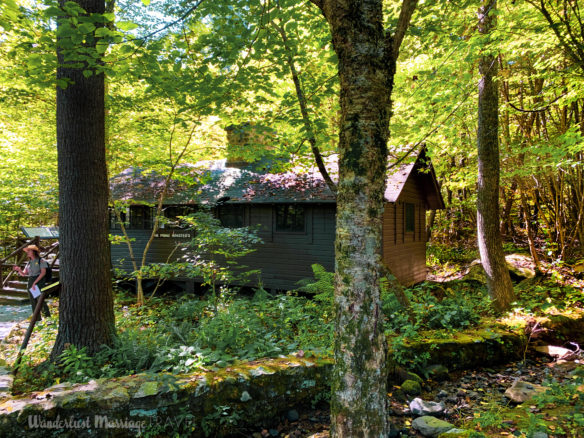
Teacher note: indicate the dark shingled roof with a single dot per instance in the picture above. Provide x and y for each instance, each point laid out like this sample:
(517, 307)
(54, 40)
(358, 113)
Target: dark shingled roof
(210, 181)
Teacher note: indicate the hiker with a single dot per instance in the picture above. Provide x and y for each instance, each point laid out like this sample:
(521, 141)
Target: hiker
(36, 268)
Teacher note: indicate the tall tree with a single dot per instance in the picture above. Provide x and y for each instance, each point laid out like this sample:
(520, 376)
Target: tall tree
(86, 317)
(489, 237)
(367, 55)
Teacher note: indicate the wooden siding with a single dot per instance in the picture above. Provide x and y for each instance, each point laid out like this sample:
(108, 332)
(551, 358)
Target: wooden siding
(158, 253)
(404, 253)
(285, 258)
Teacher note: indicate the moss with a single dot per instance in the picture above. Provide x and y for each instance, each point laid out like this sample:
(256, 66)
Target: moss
(415, 377)
(456, 433)
(411, 387)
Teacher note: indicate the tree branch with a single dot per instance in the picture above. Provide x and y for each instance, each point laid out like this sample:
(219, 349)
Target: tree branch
(536, 110)
(405, 16)
(304, 110)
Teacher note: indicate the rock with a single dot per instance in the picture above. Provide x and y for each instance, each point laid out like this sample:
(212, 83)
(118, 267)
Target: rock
(420, 407)
(431, 426)
(411, 387)
(456, 433)
(520, 267)
(436, 372)
(147, 389)
(553, 351)
(414, 376)
(474, 395)
(292, 415)
(475, 272)
(6, 380)
(521, 391)
(245, 396)
(442, 394)
(539, 435)
(274, 432)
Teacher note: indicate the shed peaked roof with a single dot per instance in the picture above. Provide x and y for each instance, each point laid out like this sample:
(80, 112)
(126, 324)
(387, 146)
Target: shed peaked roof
(210, 181)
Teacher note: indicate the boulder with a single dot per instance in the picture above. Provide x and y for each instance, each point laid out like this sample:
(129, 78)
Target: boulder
(420, 407)
(520, 267)
(456, 433)
(553, 351)
(411, 387)
(436, 372)
(431, 426)
(522, 391)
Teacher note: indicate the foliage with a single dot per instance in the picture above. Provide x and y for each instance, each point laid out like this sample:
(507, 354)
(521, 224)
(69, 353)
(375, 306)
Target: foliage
(323, 286)
(432, 308)
(77, 365)
(221, 418)
(214, 249)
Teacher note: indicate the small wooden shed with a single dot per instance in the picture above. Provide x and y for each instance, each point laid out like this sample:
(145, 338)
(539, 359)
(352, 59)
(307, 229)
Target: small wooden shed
(295, 212)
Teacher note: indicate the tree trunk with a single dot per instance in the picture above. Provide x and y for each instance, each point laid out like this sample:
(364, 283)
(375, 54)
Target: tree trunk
(366, 61)
(489, 237)
(86, 317)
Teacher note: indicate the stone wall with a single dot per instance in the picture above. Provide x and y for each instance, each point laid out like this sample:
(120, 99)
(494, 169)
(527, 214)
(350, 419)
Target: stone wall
(205, 404)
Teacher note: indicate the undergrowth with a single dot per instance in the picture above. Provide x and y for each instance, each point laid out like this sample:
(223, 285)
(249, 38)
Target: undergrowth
(190, 334)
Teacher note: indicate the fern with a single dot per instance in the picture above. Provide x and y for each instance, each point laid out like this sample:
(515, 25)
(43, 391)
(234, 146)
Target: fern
(322, 286)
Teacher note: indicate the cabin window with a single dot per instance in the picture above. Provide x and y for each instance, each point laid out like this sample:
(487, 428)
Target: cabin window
(290, 218)
(172, 212)
(410, 217)
(141, 217)
(231, 216)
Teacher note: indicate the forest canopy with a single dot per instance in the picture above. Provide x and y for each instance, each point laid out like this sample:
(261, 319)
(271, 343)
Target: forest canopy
(174, 70)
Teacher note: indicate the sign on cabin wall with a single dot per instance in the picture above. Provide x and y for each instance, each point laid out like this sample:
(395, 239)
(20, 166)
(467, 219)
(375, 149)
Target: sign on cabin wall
(174, 234)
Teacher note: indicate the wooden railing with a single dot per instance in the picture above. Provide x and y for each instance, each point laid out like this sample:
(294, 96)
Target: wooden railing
(17, 257)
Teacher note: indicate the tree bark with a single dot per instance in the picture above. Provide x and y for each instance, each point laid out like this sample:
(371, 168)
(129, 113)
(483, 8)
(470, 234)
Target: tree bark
(86, 317)
(366, 61)
(489, 237)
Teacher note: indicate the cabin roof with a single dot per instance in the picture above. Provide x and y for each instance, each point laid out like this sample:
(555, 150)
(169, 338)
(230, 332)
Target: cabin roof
(210, 182)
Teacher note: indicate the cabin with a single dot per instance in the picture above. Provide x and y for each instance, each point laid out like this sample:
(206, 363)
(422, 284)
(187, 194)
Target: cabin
(294, 210)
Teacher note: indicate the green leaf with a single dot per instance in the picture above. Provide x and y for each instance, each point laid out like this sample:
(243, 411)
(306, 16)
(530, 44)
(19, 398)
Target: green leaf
(86, 28)
(62, 83)
(146, 2)
(126, 25)
(87, 73)
(102, 32)
(53, 11)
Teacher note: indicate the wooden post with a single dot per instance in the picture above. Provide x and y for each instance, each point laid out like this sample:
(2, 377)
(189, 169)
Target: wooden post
(33, 320)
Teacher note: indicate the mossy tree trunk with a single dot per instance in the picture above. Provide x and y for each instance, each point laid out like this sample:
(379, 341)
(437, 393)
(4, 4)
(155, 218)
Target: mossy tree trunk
(367, 56)
(488, 231)
(86, 315)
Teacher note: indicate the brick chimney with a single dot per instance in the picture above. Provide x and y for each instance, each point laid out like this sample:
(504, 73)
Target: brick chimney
(246, 143)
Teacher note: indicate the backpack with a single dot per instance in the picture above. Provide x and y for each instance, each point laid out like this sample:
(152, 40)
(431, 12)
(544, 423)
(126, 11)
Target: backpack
(48, 272)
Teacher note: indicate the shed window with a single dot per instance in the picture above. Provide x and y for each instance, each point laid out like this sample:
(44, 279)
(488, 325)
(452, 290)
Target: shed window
(290, 218)
(410, 218)
(231, 216)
